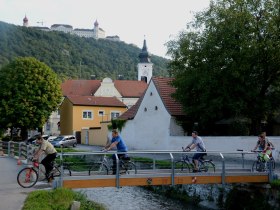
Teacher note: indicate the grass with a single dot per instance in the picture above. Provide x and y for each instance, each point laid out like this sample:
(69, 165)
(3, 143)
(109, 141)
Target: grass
(58, 199)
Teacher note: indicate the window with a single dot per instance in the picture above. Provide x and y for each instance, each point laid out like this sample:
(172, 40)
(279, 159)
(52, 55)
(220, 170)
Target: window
(87, 115)
(115, 115)
(101, 113)
(48, 126)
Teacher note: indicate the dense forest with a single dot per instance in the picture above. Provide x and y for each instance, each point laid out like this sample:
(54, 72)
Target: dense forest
(72, 56)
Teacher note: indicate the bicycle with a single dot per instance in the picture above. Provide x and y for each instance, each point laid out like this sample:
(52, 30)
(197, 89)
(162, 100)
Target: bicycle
(126, 166)
(186, 165)
(28, 176)
(262, 165)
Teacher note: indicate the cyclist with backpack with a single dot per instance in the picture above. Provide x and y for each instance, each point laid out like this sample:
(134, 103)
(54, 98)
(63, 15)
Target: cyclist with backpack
(264, 145)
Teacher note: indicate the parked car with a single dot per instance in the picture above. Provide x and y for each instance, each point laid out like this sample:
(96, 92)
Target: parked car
(32, 140)
(51, 138)
(64, 141)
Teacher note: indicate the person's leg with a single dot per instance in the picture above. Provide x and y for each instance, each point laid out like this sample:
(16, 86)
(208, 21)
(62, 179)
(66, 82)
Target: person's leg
(48, 163)
(195, 161)
(114, 167)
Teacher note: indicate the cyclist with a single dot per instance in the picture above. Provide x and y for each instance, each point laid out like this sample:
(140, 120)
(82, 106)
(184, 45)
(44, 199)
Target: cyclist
(47, 148)
(265, 146)
(197, 143)
(118, 142)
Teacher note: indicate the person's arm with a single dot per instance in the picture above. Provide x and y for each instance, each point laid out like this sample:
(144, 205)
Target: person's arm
(190, 147)
(256, 147)
(114, 144)
(37, 154)
(271, 145)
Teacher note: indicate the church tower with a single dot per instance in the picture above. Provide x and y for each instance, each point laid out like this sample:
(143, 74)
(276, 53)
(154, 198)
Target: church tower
(145, 66)
(25, 21)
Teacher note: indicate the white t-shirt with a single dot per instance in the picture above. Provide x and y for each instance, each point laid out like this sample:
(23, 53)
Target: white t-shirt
(200, 147)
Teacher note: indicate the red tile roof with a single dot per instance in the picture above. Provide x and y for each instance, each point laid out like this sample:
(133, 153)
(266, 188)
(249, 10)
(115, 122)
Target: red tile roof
(165, 90)
(130, 88)
(127, 88)
(131, 112)
(80, 87)
(95, 101)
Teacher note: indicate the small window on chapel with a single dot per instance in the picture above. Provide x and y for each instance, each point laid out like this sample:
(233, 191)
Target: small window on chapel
(145, 109)
(151, 93)
(156, 108)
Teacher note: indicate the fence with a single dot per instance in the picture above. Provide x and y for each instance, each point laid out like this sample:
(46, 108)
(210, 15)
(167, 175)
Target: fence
(18, 150)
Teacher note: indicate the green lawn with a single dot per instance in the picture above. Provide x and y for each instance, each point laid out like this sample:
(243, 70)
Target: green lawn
(58, 199)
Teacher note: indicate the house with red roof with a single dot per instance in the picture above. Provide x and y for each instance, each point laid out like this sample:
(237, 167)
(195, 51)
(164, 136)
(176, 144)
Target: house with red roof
(78, 92)
(87, 112)
(152, 122)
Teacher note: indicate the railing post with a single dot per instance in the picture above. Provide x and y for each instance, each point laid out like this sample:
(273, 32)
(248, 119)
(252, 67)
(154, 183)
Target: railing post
(223, 170)
(154, 163)
(1, 148)
(60, 184)
(242, 160)
(270, 171)
(172, 169)
(20, 149)
(9, 148)
(117, 171)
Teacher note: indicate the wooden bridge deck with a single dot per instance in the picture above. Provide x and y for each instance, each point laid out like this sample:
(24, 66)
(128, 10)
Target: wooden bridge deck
(147, 178)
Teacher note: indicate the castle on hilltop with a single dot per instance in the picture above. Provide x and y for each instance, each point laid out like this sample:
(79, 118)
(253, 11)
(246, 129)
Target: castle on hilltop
(96, 32)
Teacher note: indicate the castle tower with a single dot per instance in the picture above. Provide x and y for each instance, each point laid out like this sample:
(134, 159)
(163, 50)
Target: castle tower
(96, 30)
(25, 21)
(145, 66)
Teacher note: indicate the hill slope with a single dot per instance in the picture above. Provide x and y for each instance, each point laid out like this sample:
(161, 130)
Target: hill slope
(72, 56)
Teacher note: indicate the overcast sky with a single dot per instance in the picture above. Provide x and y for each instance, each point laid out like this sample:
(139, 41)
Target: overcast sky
(156, 20)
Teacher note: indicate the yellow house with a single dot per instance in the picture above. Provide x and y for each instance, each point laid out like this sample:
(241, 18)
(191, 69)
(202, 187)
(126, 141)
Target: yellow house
(85, 112)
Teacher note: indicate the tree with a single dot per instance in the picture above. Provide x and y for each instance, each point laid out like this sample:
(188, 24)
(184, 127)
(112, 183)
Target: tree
(226, 63)
(30, 91)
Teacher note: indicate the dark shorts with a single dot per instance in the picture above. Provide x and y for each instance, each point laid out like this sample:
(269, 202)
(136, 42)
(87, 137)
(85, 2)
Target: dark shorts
(196, 156)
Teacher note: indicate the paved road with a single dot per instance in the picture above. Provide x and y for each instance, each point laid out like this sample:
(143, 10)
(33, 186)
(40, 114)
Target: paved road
(12, 196)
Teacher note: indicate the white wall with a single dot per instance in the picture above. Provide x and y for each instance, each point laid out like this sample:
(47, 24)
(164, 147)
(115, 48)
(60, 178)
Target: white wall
(149, 128)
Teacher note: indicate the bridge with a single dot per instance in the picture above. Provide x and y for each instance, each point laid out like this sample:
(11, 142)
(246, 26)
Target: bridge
(233, 167)
(227, 172)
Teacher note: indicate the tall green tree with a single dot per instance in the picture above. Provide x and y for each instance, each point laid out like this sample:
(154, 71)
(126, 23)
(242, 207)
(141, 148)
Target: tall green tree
(30, 91)
(226, 63)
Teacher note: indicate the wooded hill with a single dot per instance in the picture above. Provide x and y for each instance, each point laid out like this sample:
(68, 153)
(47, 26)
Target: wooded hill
(72, 56)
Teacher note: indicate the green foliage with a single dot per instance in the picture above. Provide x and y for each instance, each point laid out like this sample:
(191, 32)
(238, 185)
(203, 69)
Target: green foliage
(60, 199)
(226, 63)
(72, 56)
(275, 184)
(241, 199)
(117, 124)
(30, 92)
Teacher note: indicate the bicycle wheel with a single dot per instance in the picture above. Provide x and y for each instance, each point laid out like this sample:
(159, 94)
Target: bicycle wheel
(257, 166)
(27, 177)
(182, 166)
(272, 163)
(55, 172)
(98, 169)
(207, 166)
(128, 167)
